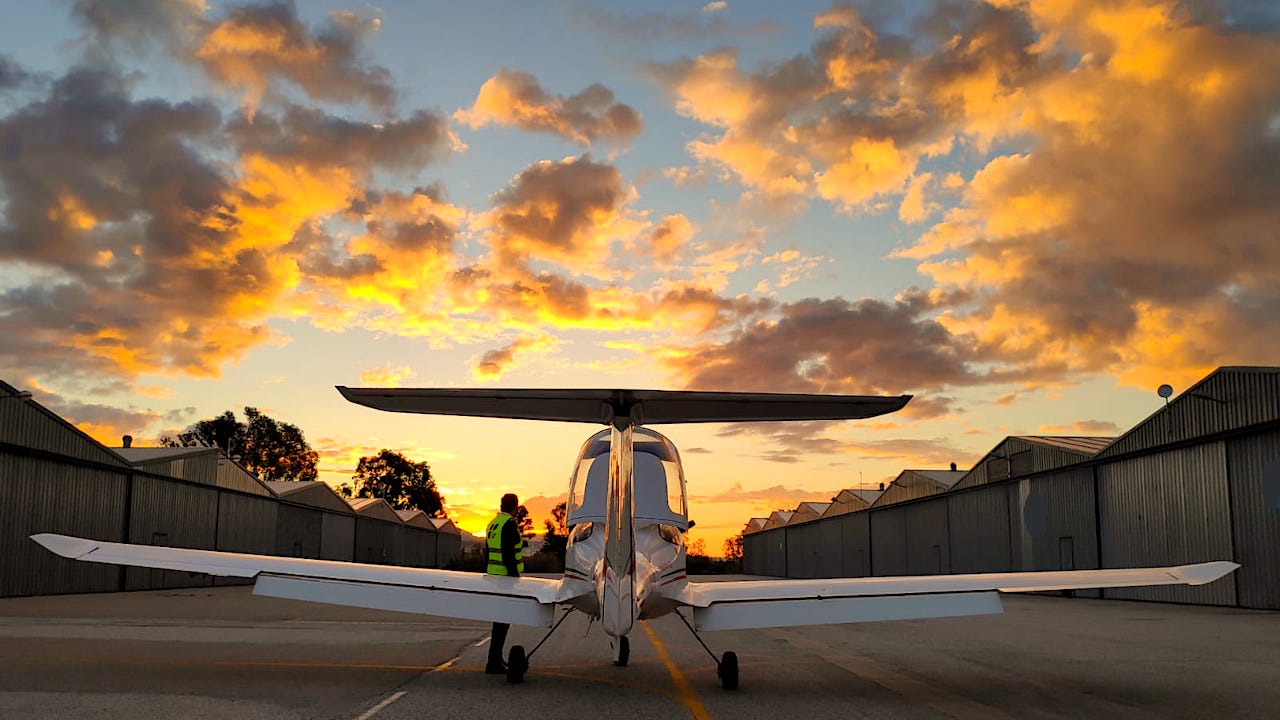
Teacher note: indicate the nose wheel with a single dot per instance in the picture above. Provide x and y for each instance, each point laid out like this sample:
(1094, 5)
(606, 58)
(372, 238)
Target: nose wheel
(622, 652)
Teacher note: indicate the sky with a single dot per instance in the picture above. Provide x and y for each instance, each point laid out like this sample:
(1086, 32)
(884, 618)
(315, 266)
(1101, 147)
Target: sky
(1026, 214)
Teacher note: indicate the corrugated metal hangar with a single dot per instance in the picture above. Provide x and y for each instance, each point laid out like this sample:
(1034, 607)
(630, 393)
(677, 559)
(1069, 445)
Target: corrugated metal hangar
(54, 478)
(1198, 480)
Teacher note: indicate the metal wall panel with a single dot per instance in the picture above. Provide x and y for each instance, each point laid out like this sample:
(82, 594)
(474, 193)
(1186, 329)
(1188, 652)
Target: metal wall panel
(1054, 520)
(378, 542)
(813, 550)
(831, 548)
(1048, 510)
(1255, 510)
(298, 531)
(448, 550)
(978, 522)
(165, 512)
(889, 541)
(855, 544)
(247, 524)
(928, 551)
(1168, 508)
(753, 553)
(793, 565)
(774, 544)
(419, 547)
(337, 537)
(199, 467)
(47, 496)
(1228, 399)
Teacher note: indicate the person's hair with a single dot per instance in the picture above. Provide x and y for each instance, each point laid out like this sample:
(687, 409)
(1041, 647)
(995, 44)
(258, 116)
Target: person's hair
(510, 502)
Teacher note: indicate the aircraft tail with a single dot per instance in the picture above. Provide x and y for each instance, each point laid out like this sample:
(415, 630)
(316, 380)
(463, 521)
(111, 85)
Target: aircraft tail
(618, 608)
(624, 407)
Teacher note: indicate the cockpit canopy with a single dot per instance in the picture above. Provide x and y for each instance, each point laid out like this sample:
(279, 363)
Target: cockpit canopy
(658, 488)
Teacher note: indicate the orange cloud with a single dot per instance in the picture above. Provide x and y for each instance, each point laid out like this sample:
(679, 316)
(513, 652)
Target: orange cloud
(516, 99)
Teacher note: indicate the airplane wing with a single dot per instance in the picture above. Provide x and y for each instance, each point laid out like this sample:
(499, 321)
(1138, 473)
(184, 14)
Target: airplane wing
(471, 596)
(782, 603)
(647, 407)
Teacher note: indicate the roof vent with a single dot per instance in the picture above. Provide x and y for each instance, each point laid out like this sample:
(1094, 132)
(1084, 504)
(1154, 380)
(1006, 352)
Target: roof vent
(127, 441)
(953, 467)
(881, 487)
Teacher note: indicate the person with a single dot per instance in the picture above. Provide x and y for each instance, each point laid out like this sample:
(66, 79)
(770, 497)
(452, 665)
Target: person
(505, 558)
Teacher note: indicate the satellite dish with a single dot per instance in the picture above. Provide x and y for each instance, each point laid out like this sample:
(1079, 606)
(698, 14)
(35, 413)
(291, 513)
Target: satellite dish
(1165, 391)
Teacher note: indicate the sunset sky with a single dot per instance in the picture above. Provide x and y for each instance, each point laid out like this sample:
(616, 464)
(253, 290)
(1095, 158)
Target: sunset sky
(1029, 214)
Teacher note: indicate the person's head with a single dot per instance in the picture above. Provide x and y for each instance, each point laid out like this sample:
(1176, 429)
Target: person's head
(509, 503)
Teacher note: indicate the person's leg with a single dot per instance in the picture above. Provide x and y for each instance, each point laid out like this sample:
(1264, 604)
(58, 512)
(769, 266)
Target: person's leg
(497, 643)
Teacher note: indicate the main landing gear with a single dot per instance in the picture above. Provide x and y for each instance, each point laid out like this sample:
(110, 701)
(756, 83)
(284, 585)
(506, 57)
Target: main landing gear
(518, 661)
(726, 665)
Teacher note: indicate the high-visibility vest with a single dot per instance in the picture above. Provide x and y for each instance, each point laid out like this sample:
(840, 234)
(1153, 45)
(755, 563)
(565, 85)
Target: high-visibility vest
(494, 535)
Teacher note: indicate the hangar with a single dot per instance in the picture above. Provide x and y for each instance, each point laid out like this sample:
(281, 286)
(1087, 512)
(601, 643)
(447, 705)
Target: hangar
(1198, 480)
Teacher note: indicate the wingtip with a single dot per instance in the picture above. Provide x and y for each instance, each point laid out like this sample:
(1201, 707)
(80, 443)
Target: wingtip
(1203, 573)
(66, 546)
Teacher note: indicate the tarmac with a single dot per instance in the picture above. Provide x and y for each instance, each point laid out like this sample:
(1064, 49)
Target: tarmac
(222, 653)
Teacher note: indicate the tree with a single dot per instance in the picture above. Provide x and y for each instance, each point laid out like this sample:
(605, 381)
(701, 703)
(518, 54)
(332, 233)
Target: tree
(556, 540)
(269, 449)
(733, 547)
(403, 483)
(524, 523)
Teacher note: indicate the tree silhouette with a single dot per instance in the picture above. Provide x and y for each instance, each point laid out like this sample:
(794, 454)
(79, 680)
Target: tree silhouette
(524, 523)
(268, 448)
(556, 540)
(403, 483)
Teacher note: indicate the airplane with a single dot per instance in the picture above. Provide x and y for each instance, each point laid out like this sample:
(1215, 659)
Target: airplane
(626, 515)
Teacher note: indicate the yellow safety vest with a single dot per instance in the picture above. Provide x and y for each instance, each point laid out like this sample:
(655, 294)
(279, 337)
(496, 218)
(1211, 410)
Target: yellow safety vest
(494, 535)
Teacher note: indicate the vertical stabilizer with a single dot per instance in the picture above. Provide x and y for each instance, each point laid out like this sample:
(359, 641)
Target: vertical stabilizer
(618, 608)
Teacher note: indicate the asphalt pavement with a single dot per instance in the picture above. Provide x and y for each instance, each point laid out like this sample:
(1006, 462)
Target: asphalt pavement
(222, 653)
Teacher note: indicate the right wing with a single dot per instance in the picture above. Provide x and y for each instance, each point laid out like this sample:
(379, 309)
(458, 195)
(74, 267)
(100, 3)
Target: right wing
(471, 596)
(782, 603)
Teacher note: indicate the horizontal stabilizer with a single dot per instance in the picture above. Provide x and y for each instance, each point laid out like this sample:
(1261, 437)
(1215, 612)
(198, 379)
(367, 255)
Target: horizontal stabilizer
(647, 407)
(472, 596)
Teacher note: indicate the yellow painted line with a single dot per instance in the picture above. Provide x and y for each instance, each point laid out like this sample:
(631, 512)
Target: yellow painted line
(684, 692)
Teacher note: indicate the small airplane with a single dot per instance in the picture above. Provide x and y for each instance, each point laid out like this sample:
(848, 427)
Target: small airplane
(626, 517)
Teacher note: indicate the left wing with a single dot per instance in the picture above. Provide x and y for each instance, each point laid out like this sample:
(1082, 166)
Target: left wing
(782, 603)
(471, 596)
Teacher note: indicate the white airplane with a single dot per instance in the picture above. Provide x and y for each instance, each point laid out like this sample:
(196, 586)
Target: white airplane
(627, 514)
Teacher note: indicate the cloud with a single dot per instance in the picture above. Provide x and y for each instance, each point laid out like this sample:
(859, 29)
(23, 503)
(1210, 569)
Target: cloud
(516, 99)
(254, 48)
(833, 346)
(387, 376)
(569, 212)
(107, 423)
(158, 239)
(1137, 235)
(666, 240)
(1110, 126)
(774, 497)
(495, 363)
(1082, 427)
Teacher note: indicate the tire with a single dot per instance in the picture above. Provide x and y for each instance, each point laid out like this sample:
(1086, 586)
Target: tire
(517, 664)
(624, 651)
(728, 671)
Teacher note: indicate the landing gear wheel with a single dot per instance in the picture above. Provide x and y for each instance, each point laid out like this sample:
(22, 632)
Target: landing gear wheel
(517, 664)
(624, 652)
(728, 671)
